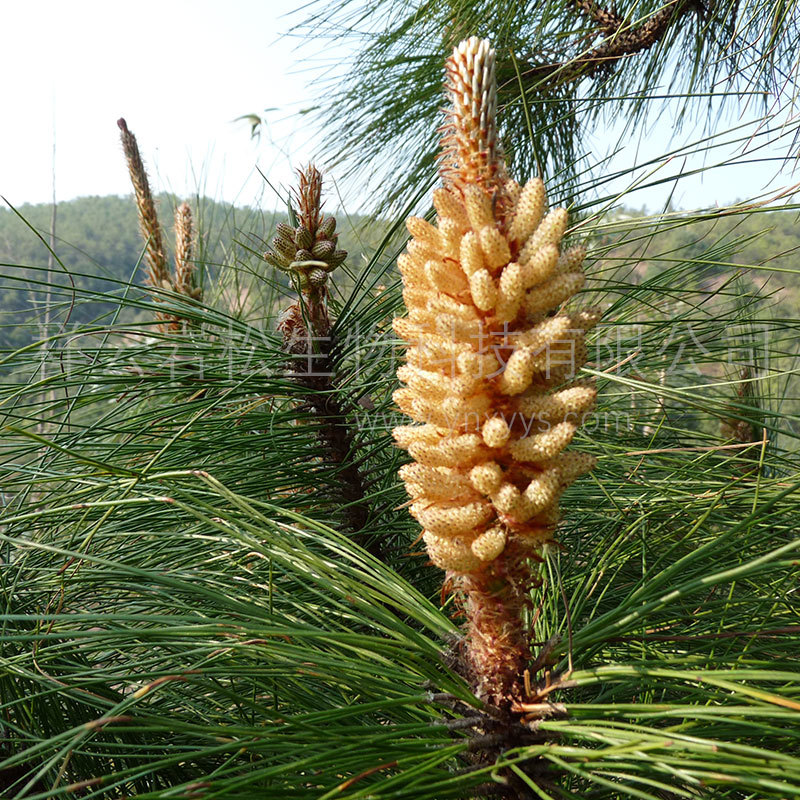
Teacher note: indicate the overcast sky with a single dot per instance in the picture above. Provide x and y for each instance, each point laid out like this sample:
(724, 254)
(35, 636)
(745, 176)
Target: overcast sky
(180, 72)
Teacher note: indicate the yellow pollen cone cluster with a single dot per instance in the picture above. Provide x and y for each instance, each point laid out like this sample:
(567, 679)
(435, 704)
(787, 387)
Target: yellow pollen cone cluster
(489, 376)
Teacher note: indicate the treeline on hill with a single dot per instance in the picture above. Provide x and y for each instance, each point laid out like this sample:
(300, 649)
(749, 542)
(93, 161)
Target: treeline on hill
(763, 243)
(99, 249)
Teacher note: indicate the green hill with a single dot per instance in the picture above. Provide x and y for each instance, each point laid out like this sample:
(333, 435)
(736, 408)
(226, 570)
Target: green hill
(98, 247)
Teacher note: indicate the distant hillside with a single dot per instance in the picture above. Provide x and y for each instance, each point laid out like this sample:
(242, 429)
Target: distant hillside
(99, 244)
(765, 243)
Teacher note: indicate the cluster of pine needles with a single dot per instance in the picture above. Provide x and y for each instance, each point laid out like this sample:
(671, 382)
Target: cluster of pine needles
(209, 578)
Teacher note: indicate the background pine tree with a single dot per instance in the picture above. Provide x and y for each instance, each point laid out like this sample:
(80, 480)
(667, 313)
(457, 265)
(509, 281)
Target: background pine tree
(571, 75)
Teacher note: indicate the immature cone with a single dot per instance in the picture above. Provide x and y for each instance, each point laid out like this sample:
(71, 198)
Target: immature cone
(488, 375)
(310, 251)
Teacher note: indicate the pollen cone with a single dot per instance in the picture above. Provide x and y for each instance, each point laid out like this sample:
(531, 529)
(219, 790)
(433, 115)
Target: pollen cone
(489, 376)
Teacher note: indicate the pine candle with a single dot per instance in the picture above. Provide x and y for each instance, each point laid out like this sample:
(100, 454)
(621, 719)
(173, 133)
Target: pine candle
(485, 376)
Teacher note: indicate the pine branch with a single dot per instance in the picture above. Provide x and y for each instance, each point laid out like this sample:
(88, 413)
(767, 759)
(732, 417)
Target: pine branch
(309, 252)
(620, 42)
(315, 371)
(204, 626)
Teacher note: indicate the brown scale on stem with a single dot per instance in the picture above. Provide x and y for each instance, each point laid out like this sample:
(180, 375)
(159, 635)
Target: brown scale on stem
(489, 377)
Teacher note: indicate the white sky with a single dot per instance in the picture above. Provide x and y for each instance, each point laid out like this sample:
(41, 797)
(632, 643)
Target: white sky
(180, 72)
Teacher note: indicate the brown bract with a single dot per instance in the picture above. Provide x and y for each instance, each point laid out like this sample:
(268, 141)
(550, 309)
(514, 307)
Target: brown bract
(489, 375)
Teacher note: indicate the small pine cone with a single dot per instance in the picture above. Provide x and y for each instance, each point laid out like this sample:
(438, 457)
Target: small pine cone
(276, 260)
(303, 255)
(327, 228)
(285, 231)
(303, 238)
(323, 250)
(337, 258)
(451, 553)
(317, 276)
(487, 546)
(285, 247)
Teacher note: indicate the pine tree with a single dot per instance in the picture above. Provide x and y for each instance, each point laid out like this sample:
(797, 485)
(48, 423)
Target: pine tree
(212, 586)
